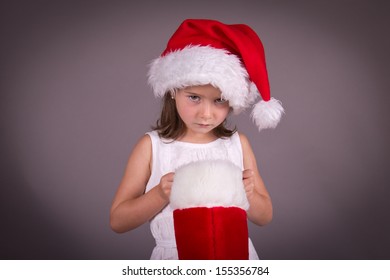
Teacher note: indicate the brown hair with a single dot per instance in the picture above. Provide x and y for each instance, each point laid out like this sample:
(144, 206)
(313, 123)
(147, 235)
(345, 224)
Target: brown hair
(171, 126)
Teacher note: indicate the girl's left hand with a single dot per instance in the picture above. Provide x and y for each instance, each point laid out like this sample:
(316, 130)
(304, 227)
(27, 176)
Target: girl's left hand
(249, 182)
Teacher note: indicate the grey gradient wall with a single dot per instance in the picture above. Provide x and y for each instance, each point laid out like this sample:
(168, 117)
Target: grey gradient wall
(75, 99)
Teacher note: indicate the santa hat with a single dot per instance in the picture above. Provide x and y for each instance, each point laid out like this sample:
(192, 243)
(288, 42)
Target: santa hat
(229, 57)
(209, 211)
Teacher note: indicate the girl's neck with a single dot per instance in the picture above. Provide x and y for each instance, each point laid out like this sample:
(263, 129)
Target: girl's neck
(197, 138)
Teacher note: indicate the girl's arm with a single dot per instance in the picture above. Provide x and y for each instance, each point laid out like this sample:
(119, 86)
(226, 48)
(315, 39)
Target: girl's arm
(260, 209)
(132, 207)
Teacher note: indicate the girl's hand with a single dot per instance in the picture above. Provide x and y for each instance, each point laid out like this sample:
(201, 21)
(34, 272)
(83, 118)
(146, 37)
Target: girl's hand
(165, 185)
(249, 182)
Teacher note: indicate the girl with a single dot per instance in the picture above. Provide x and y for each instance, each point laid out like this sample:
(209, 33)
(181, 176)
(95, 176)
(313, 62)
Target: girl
(208, 70)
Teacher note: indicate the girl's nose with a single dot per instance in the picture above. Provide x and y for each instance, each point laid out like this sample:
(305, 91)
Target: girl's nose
(206, 110)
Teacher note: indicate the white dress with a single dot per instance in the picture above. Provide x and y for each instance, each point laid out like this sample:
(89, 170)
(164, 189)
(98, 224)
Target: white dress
(167, 157)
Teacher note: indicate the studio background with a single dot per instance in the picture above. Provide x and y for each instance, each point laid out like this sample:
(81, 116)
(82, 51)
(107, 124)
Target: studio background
(75, 99)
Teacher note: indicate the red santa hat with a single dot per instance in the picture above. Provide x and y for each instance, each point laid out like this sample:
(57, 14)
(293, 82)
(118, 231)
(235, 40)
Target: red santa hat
(209, 203)
(229, 57)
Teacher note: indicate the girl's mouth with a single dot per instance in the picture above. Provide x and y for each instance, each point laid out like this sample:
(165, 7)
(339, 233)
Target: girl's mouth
(204, 125)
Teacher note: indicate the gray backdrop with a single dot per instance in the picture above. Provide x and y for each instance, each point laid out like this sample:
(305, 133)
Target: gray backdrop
(75, 99)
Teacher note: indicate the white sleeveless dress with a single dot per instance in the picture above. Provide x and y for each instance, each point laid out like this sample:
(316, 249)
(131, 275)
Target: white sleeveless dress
(167, 157)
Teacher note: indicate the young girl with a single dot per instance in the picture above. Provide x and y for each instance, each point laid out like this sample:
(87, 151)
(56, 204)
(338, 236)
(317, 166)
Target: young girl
(208, 70)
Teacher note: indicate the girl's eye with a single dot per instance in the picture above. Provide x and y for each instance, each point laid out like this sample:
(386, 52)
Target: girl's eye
(220, 101)
(193, 98)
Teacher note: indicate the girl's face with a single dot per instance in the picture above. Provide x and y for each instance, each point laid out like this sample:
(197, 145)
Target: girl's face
(201, 109)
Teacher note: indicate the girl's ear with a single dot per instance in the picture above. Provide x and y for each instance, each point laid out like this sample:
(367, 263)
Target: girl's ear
(173, 93)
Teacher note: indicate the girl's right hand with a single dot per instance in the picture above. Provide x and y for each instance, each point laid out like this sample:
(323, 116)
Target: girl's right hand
(165, 185)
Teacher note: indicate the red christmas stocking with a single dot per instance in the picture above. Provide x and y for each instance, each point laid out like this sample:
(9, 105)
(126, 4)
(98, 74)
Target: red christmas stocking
(210, 204)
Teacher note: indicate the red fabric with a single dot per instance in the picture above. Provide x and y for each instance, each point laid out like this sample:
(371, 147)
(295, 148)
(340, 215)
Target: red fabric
(217, 233)
(238, 39)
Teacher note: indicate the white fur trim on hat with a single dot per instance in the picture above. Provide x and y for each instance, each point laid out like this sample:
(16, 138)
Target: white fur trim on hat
(208, 184)
(267, 114)
(201, 65)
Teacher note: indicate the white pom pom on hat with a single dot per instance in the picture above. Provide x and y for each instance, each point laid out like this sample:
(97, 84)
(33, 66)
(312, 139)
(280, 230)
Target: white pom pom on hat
(229, 57)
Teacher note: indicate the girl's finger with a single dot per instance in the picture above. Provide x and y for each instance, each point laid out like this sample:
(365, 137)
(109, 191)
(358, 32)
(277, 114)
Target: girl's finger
(247, 173)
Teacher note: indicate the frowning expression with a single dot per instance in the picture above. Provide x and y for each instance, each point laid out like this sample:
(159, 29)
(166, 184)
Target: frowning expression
(201, 108)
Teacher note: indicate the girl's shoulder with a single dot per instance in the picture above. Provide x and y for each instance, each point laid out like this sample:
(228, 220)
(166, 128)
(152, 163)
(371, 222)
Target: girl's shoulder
(144, 144)
(152, 134)
(242, 137)
(156, 139)
(245, 144)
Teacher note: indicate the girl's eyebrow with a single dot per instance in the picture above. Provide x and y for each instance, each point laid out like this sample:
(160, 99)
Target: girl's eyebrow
(190, 92)
(199, 94)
